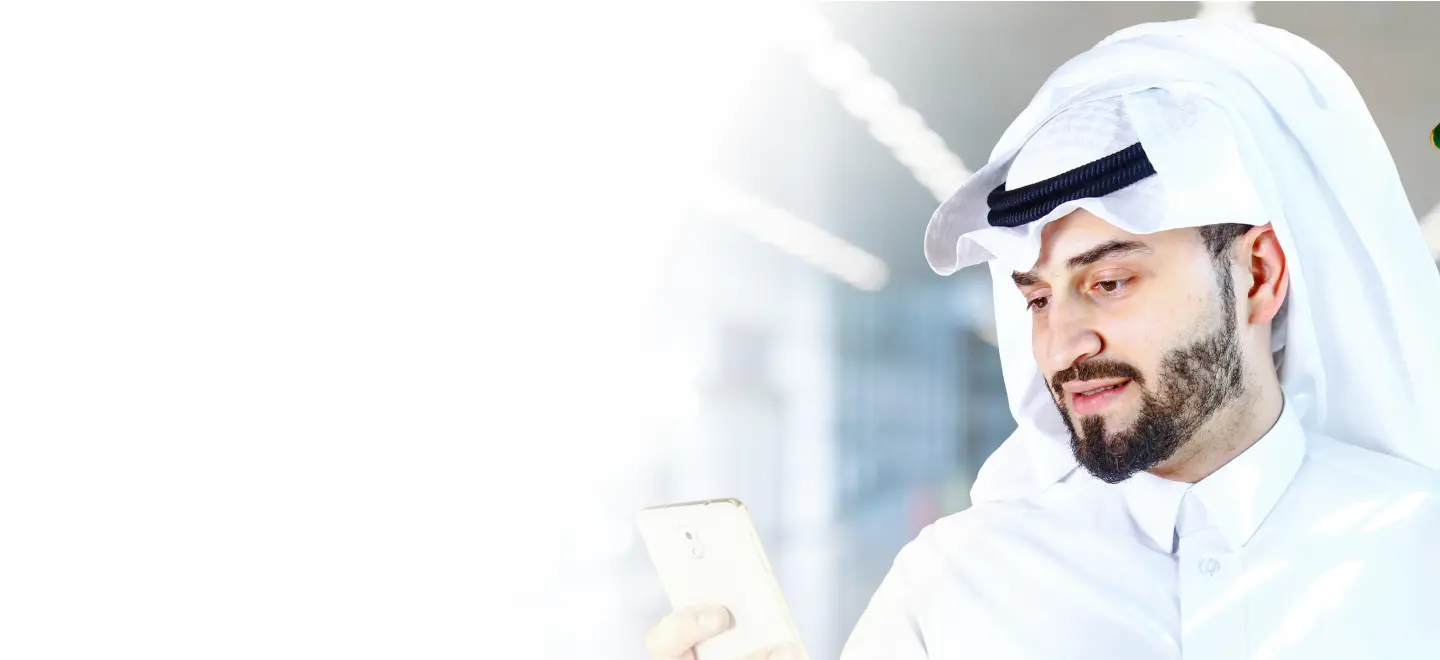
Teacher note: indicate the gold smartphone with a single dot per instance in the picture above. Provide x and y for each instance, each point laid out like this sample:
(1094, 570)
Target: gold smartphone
(707, 553)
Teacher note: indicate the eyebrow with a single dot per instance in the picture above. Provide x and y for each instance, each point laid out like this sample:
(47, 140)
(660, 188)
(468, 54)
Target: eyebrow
(1106, 250)
(1024, 279)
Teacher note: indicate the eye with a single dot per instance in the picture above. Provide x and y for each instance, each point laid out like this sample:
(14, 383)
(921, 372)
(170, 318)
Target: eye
(1036, 304)
(1111, 286)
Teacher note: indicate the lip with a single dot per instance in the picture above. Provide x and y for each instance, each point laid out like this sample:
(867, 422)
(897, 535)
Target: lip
(1082, 404)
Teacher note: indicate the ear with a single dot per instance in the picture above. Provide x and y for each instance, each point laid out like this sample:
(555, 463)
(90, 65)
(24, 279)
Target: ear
(1268, 274)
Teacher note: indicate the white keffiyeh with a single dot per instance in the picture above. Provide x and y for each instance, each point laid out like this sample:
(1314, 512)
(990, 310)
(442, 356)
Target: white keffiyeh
(1243, 124)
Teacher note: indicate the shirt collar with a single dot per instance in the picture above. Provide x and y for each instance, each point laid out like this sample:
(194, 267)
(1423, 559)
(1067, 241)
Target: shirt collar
(1236, 498)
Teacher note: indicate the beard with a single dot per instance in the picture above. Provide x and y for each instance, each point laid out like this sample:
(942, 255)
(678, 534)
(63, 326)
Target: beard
(1194, 382)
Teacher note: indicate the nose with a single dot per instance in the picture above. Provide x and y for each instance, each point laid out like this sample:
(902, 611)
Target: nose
(1069, 336)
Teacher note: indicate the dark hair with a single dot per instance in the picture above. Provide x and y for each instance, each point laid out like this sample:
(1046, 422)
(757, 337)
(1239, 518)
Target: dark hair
(1218, 239)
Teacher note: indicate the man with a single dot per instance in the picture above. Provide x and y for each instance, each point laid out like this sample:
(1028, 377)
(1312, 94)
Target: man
(1219, 331)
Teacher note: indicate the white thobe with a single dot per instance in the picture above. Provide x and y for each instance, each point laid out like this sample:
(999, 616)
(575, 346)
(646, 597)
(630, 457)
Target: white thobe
(1300, 547)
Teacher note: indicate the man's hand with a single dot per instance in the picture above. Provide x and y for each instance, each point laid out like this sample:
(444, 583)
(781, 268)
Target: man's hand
(675, 637)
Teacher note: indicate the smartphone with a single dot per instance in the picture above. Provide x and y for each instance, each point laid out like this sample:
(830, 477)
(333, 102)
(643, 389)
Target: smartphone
(707, 553)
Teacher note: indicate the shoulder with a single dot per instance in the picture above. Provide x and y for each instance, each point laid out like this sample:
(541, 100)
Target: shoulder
(1372, 470)
(942, 559)
(985, 529)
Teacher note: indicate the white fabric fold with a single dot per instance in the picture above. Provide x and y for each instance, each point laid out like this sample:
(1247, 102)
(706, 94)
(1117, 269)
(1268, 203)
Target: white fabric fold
(1247, 124)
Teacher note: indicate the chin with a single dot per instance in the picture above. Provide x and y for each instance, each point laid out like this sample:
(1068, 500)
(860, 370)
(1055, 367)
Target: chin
(1108, 421)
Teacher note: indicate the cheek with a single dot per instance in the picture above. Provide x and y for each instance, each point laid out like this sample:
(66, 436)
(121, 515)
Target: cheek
(1134, 345)
(1141, 333)
(1038, 343)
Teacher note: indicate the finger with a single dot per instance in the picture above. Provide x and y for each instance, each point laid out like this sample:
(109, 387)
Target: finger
(786, 651)
(682, 629)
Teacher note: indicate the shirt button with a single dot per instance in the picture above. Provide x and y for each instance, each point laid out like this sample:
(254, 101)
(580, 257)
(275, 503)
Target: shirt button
(1210, 566)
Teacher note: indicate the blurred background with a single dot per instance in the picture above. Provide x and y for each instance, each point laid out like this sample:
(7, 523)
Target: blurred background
(365, 329)
(791, 347)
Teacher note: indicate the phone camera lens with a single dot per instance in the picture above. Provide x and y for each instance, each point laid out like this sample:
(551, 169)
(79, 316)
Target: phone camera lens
(697, 549)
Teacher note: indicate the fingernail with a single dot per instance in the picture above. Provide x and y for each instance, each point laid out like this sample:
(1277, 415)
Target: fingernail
(709, 620)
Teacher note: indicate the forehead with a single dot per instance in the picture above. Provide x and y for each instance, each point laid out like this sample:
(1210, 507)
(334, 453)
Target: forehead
(1082, 230)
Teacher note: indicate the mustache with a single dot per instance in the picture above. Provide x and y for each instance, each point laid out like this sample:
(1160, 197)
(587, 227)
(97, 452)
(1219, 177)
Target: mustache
(1091, 370)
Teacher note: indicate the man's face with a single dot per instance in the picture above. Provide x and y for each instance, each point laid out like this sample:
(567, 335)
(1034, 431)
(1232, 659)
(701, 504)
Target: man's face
(1136, 337)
